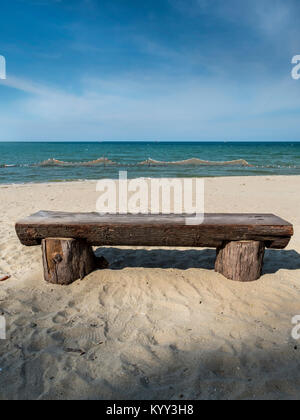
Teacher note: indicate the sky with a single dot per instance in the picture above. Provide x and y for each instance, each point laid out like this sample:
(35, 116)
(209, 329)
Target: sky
(210, 70)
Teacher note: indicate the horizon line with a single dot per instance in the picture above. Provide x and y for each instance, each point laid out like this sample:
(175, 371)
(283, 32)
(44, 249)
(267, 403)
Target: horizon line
(150, 141)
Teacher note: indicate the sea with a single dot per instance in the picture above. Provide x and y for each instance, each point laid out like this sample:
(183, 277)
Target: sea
(36, 162)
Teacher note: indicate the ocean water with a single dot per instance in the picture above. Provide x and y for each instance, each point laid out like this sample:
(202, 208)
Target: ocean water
(43, 162)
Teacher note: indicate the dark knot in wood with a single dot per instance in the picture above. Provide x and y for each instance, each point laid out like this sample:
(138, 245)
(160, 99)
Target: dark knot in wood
(57, 259)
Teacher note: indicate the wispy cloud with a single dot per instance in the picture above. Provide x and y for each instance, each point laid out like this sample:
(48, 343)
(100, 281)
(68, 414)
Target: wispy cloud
(207, 69)
(136, 108)
(275, 19)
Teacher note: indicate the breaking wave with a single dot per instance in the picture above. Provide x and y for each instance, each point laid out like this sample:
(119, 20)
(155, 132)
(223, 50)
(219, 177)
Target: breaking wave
(149, 162)
(55, 162)
(103, 161)
(196, 161)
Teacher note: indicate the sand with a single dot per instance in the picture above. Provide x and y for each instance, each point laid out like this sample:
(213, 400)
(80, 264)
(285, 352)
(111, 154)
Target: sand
(160, 324)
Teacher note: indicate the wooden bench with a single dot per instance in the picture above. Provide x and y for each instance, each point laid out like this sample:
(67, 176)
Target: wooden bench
(67, 239)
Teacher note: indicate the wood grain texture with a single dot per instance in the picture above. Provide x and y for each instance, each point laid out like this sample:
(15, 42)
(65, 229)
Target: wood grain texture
(155, 230)
(67, 260)
(240, 261)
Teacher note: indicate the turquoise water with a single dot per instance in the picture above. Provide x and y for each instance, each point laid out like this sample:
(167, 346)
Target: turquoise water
(22, 162)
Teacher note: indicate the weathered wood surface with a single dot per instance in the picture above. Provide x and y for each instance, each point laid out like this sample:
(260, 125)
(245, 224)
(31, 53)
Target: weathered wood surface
(67, 260)
(155, 230)
(240, 261)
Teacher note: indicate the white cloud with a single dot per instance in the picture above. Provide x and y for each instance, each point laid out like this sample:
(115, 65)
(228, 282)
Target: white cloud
(139, 108)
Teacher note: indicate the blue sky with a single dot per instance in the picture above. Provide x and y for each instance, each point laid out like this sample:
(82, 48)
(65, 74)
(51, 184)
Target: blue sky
(149, 70)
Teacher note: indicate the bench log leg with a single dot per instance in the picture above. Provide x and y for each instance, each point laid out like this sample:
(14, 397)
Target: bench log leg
(240, 261)
(67, 260)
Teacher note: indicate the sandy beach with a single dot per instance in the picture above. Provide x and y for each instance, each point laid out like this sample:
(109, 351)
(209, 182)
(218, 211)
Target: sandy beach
(160, 324)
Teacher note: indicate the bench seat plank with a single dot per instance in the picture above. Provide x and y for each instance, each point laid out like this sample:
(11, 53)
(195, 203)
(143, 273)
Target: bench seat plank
(155, 230)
